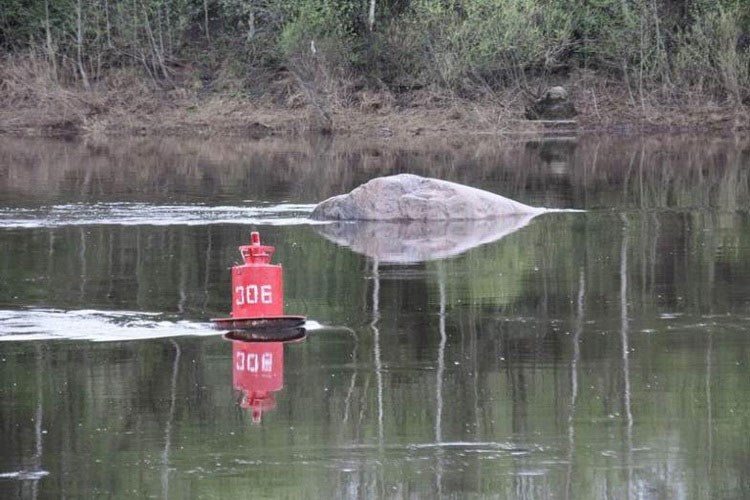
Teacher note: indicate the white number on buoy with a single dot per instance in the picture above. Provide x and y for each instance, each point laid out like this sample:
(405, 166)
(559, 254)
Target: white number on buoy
(253, 294)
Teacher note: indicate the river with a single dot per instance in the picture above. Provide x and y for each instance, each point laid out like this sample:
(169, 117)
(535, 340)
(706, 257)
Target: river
(598, 353)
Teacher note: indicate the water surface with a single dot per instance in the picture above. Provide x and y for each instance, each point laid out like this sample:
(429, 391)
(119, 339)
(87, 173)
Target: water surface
(602, 354)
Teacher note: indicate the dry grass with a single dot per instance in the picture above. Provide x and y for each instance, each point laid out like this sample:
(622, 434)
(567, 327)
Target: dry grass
(36, 101)
(33, 101)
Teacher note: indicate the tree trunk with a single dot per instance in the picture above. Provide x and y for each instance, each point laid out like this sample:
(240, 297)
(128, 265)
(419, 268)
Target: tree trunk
(48, 35)
(79, 46)
(205, 20)
(371, 15)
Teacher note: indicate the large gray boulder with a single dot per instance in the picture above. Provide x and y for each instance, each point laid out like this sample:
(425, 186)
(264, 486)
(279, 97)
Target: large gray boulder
(411, 197)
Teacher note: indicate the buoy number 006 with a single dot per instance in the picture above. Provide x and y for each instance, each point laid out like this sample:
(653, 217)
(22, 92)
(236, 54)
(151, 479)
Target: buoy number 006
(253, 294)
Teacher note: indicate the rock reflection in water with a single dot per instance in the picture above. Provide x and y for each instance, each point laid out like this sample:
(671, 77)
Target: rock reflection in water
(258, 372)
(417, 241)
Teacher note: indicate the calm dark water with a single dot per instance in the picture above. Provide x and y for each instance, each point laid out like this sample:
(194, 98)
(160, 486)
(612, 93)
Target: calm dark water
(602, 354)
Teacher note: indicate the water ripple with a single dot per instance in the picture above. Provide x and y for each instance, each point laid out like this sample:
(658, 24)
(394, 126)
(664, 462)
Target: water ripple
(104, 326)
(131, 214)
(97, 326)
(24, 475)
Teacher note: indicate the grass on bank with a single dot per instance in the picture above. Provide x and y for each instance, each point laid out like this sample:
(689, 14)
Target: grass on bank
(107, 65)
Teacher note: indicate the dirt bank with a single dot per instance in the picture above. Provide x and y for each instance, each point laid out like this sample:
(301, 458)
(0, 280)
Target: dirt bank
(378, 117)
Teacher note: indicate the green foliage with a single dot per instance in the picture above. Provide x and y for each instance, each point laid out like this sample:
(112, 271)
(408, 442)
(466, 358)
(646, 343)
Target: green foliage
(487, 38)
(708, 58)
(330, 30)
(669, 48)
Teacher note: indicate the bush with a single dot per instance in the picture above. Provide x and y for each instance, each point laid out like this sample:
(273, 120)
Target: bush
(661, 50)
(497, 41)
(708, 59)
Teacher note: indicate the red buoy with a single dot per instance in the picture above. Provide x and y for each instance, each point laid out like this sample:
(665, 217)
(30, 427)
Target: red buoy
(258, 291)
(257, 285)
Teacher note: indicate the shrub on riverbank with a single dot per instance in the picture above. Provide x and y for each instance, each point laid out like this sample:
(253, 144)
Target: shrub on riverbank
(332, 52)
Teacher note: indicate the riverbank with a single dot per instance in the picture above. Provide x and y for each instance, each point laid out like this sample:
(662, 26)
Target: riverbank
(403, 69)
(136, 110)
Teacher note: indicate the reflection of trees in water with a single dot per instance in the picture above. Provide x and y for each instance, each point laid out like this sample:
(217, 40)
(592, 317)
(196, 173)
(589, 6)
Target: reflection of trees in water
(510, 366)
(142, 268)
(627, 409)
(512, 316)
(592, 172)
(80, 403)
(528, 345)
